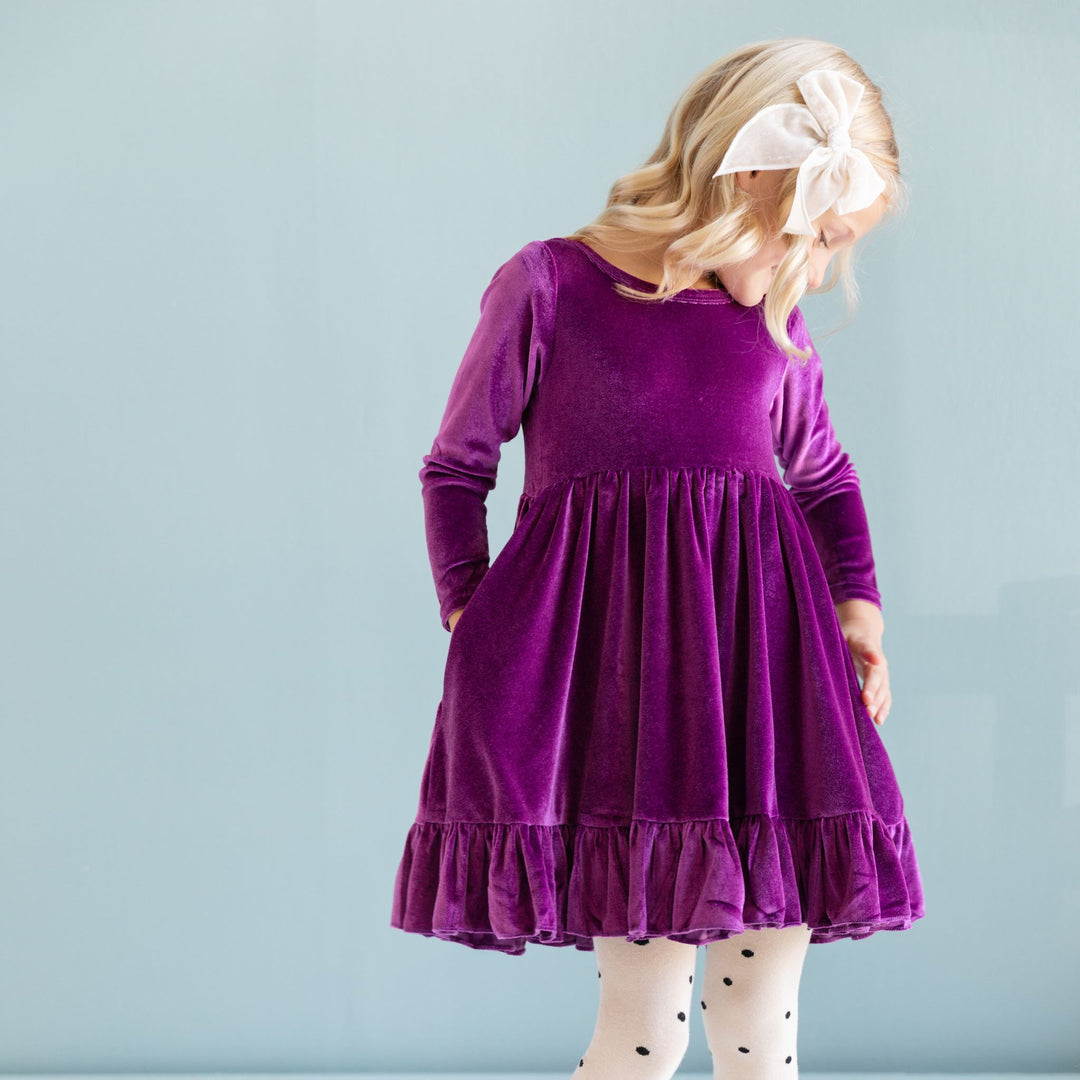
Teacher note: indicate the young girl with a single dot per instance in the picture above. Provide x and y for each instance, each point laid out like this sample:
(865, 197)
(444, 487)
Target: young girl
(652, 734)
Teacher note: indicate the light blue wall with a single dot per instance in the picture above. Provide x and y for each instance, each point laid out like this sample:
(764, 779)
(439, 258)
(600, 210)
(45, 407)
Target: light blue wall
(243, 245)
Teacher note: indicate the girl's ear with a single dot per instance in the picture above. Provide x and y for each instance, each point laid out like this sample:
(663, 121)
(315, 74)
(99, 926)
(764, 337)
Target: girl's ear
(743, 179)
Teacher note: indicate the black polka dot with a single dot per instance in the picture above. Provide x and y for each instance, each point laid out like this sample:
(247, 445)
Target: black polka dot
(743, 1050)
(787, 1014)
(642, 941)
(682, 1016)
(748, 952)
(643, 1050)
(727, 981)
(787, 1061)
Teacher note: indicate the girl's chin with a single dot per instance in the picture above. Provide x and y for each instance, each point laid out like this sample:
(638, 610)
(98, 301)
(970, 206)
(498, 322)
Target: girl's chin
(748, 293)
(749, 299)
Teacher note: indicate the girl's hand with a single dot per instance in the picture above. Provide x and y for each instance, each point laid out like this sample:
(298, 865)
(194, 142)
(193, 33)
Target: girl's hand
(453, 617)
(863, 626)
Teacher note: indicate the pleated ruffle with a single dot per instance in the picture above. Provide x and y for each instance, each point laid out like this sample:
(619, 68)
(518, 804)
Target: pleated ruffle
(501, 886)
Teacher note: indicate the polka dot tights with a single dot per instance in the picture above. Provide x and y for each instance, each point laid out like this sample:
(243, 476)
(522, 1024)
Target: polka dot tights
(749, 1006)
(642, 1029)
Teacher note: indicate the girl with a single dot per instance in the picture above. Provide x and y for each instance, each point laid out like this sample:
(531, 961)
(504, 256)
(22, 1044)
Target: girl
(652, 734)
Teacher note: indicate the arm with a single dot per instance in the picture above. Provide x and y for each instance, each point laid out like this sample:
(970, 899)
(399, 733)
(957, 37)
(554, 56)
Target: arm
(825, 485)
(504, 360)
(821, 477)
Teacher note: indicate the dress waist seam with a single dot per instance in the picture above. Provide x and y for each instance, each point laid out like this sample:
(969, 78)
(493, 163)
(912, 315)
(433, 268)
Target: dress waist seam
(714, 467)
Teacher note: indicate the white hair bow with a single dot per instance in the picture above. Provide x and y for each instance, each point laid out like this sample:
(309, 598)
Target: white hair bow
(815, 137)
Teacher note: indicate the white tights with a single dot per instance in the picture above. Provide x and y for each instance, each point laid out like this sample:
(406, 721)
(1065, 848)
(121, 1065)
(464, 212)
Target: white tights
(749, 1003)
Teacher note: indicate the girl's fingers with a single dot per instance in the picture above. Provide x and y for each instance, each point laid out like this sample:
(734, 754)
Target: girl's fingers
(872, 681)
(875, 690)
(873, 671)
(879, 703)
(883, 710)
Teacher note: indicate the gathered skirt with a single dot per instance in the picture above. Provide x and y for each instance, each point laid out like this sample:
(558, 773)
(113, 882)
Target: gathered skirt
(651, 725)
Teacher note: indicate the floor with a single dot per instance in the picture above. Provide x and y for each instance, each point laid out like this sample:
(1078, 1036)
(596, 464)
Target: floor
(520, 1076)
(708, 1076)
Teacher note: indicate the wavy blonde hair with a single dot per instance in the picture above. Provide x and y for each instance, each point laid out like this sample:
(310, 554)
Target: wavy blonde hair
(708, 223)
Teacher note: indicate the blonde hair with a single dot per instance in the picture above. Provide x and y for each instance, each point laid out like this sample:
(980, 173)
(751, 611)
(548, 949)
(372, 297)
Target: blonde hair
(708, 223)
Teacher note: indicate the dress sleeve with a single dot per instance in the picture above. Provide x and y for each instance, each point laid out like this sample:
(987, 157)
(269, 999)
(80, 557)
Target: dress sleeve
(503, 362)
(820, 475)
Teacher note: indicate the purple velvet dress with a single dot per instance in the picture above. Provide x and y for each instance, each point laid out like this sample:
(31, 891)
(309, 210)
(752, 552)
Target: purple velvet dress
(651, 725)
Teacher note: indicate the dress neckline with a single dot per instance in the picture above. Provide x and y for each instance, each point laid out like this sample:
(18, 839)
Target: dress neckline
(719, 295)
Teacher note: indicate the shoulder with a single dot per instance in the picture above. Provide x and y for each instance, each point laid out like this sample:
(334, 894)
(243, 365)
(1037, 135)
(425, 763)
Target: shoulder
(796, 328)
(800, 337)
(523, 291)
(531, 269)
(538, 258)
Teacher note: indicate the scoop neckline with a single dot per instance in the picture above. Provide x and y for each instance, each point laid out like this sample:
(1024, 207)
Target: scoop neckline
(712, 296)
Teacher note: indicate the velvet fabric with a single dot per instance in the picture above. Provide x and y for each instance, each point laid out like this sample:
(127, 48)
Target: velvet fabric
(651, 724)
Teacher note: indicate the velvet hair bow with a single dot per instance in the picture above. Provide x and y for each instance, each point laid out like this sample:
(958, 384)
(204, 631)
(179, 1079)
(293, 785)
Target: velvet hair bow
(816, 138)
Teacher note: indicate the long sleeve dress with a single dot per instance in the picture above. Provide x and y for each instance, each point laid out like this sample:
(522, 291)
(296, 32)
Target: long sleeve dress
(651, 724)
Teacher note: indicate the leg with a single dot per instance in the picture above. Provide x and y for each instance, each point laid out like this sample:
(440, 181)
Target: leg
(749, 1001)
(642, 1028)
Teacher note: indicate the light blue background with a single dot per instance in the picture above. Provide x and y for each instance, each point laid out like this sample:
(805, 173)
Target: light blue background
(243, 246)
